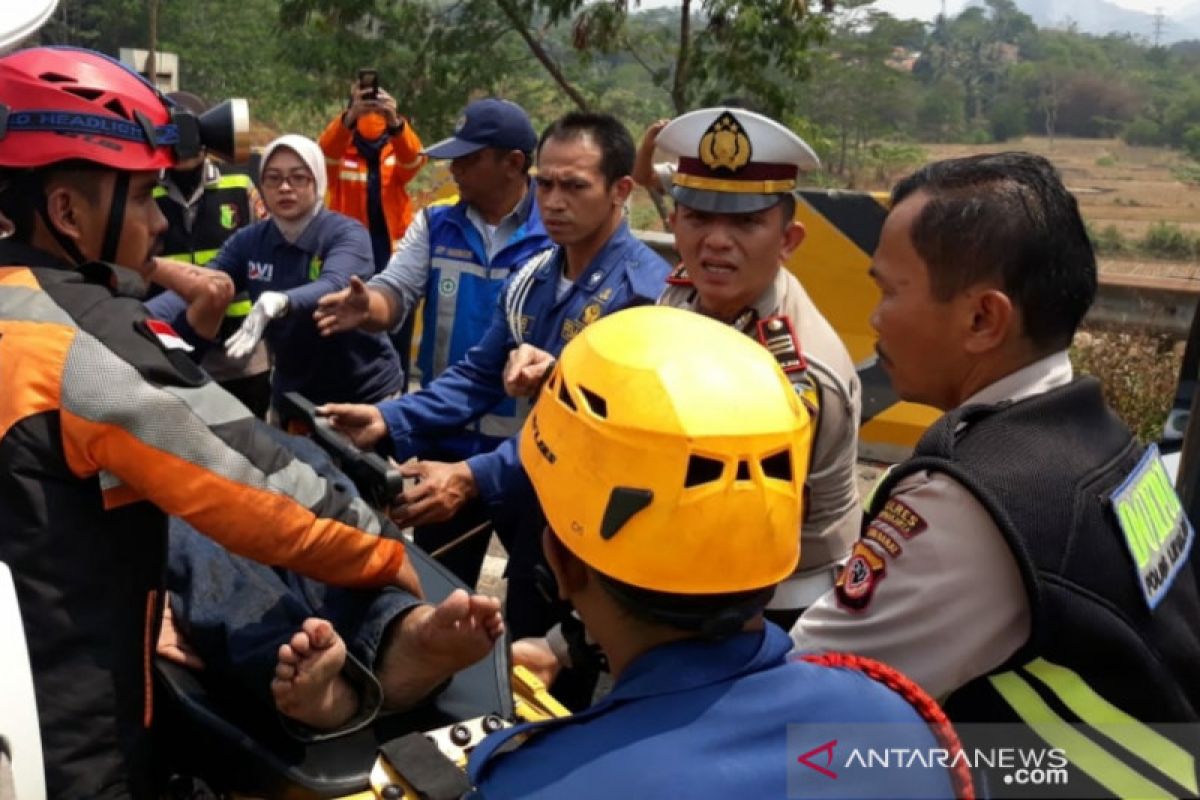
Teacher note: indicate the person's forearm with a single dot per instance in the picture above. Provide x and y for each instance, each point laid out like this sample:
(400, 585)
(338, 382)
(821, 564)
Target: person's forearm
(206, 301)
(381, 308)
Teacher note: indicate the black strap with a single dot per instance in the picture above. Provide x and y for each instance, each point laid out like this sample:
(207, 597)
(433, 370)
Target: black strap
(426, 769)
(116, 218)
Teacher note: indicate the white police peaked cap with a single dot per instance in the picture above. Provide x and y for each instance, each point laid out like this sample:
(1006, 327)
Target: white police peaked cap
(732, 161)
(19, 20)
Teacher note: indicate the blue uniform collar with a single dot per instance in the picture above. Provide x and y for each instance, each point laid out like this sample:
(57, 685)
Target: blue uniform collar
(602, 263)
(676, 667)
(692, 663)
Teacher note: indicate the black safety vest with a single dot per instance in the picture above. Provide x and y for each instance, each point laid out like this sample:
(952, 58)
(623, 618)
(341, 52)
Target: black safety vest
(224, 207)
(1052, 472)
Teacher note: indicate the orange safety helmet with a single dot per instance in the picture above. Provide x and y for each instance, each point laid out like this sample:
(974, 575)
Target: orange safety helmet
(669, 452)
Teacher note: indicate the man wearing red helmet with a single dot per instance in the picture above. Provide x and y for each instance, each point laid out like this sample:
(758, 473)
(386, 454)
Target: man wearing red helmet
(106, 425)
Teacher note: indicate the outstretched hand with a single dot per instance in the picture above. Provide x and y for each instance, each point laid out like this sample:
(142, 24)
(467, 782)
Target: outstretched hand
(344, 310)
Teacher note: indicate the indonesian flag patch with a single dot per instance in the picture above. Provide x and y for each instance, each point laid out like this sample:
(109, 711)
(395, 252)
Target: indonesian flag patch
(167, 336)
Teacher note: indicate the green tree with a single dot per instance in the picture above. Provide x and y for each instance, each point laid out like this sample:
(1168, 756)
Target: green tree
(720, 47)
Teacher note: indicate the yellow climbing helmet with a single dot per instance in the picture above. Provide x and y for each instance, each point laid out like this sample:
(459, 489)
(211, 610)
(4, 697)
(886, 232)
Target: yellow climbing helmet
(668, 452)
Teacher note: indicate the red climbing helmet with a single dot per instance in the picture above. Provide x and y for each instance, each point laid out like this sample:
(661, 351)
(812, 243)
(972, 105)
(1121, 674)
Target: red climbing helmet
(63, 103)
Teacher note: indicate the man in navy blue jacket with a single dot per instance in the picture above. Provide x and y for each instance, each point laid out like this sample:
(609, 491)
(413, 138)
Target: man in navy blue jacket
(583, 180)
(453, 261)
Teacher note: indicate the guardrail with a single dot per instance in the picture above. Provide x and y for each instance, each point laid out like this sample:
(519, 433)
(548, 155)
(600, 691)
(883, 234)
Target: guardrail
(1156, 305)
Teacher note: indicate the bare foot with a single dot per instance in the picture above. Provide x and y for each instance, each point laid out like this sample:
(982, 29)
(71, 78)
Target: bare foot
(308, 684)
(431, 643)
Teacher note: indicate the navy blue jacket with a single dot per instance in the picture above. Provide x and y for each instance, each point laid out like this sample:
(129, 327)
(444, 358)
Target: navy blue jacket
(624, 273)
(353, 367)
(717, 719)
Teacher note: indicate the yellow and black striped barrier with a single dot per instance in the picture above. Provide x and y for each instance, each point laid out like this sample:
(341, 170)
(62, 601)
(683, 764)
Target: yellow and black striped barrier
(843, 230)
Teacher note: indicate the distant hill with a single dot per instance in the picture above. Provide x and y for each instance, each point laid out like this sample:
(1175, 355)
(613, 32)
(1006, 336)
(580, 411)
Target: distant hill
(1100, 17)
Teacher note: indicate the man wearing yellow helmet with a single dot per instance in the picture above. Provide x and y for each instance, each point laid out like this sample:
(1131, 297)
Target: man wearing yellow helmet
(733, 225)
(669, 454)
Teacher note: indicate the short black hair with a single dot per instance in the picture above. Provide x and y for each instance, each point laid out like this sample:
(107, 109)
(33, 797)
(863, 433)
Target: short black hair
(1008, 218)
(712, 616)
(609, 133)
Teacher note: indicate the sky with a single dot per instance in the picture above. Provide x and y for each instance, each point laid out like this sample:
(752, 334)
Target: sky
(928, 9)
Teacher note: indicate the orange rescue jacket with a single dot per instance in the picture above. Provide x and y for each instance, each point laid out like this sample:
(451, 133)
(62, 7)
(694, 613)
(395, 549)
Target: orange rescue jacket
(400, 161)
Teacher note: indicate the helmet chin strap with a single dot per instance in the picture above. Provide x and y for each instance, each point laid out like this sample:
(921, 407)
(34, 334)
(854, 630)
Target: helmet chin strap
(116, 218)
(112, 231)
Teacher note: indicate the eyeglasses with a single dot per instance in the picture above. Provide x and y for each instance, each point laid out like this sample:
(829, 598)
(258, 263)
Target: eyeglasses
(297, 180)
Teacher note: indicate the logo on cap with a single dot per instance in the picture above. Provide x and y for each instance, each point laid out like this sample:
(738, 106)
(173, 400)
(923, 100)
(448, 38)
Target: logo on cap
(725, 144)
(460, 123)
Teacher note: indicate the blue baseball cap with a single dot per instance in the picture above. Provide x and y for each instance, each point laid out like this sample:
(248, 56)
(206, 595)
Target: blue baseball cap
(488, 123)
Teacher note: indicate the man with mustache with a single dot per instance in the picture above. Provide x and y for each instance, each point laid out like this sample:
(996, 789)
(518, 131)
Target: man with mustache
(1030, 563)
(453, 262)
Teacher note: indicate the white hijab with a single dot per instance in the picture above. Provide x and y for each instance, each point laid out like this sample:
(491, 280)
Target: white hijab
(310, 153)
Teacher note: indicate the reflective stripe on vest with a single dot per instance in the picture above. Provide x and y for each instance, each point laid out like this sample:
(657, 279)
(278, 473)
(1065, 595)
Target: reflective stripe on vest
(238, 308)
(451, 272)
(1093, 710)
(199, 257)
(354, 177)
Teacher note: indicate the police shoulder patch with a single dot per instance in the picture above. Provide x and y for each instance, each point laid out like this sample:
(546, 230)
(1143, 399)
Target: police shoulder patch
(898, 518)
(880, 535)
(856, 585)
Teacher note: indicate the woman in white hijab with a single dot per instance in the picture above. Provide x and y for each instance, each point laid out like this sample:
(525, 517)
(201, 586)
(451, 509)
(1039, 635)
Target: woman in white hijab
(301, 252)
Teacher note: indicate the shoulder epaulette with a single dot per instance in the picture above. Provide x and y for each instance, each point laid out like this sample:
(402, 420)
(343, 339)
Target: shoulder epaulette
(779, 337)
(679, 277)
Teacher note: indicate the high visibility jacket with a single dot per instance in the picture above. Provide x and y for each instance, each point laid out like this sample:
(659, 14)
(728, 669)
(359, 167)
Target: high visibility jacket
(1113, 646)
(196, 230)
(399, 162)
(106, 427)
(463, 288)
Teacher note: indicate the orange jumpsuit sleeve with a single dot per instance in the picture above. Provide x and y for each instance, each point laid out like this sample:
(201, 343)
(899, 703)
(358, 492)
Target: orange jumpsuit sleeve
(406, 146)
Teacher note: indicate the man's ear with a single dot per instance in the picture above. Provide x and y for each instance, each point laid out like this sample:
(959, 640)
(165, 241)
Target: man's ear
(793, 237)
(569, 572)
(65, 211)
(621, 189)
(991, 321)
(514, 160)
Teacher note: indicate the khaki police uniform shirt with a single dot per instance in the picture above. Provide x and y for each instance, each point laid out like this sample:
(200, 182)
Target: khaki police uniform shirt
(932, 587)
(833, 514)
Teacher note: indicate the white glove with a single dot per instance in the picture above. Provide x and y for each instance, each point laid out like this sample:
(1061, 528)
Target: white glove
(269, 306)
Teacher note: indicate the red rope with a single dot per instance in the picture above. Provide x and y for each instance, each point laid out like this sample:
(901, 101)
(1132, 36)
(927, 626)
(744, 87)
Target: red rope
(926, 706)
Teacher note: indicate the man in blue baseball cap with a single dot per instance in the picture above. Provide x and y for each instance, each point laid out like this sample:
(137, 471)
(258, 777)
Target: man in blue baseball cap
(499, 124)
(457, 257)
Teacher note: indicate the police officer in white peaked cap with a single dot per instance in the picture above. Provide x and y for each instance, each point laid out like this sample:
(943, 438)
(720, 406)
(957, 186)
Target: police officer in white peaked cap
(733, 184)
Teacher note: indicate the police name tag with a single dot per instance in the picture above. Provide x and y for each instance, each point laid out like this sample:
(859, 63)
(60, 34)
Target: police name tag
(1156, 530)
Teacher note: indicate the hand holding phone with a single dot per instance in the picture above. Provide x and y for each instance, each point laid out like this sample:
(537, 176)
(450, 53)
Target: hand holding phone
(368, 82)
